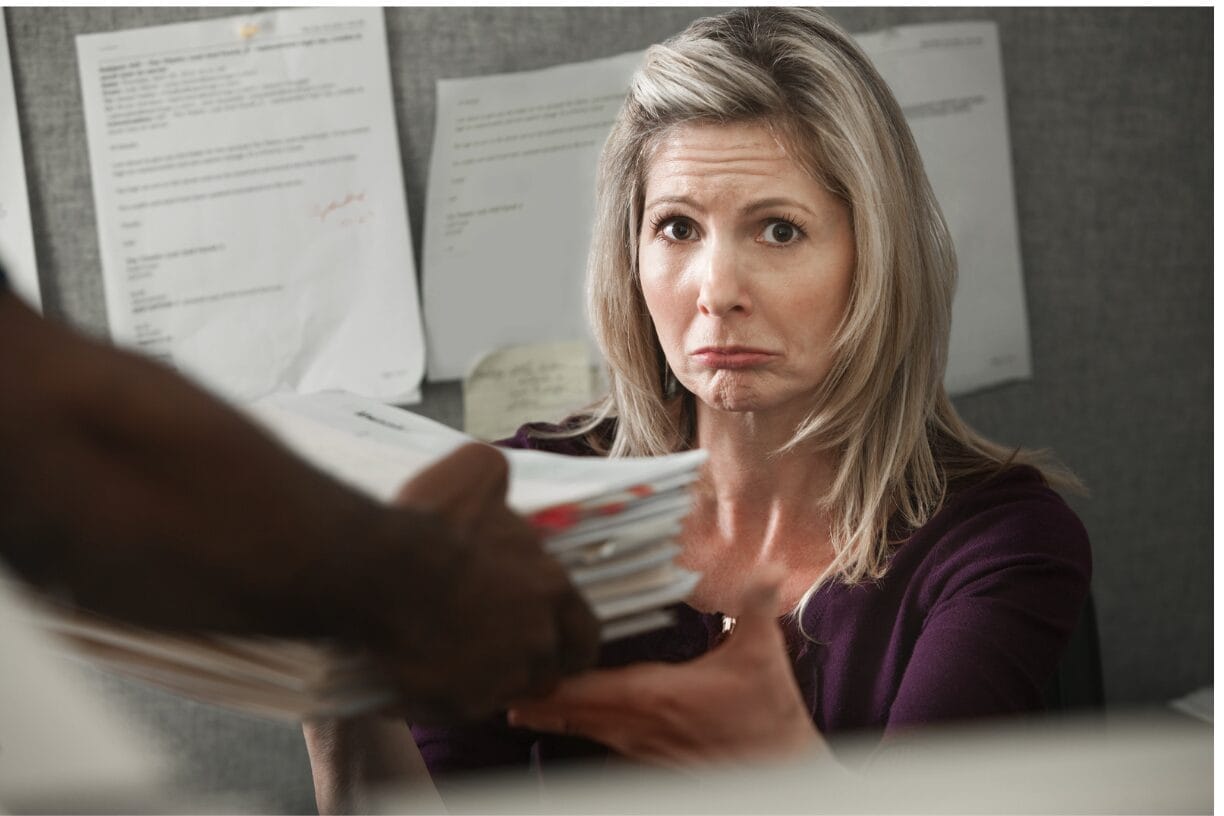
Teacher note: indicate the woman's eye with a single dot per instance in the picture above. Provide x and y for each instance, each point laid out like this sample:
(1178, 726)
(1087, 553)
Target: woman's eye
(679, 229)
(780, 232)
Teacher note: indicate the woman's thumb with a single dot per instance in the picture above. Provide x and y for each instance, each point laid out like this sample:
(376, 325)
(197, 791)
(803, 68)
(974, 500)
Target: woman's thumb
(758, 606)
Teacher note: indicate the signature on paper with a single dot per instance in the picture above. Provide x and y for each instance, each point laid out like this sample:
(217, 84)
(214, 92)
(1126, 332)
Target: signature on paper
(348, 204)
(360, 218)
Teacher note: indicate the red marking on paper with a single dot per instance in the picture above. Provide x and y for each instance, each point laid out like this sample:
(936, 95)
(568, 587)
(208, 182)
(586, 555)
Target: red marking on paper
(321, 213)
(561, 517)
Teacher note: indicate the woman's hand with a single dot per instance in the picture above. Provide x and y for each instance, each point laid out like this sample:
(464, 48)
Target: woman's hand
(738, 702)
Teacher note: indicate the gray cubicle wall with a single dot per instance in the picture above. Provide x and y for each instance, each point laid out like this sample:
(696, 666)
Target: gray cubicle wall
(1111, 125)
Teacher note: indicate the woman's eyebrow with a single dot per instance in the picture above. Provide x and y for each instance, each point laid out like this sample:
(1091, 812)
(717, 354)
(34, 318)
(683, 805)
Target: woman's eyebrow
(770, 203)
(674, 199)
(748, 209)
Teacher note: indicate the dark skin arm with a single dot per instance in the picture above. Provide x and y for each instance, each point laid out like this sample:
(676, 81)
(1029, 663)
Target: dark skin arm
(135, 494)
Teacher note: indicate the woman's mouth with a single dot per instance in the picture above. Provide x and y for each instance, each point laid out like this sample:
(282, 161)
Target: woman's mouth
(732, 357)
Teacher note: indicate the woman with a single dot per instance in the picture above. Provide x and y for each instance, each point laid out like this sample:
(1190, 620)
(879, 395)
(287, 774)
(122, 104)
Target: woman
(771, 280)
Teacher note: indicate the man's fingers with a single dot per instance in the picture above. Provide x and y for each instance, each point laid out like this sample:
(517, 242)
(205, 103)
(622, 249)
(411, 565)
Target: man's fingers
(577, 633)
(460, 485)
(543, 628)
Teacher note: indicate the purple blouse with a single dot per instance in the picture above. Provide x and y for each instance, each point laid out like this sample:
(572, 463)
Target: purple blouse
(970, 620)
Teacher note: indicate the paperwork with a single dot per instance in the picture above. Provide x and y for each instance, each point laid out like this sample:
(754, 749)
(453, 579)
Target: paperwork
(510, 205)
(250, 205)
(16, 229)
(611, 522)
(948, 79)
(523, 384)
(511, 188)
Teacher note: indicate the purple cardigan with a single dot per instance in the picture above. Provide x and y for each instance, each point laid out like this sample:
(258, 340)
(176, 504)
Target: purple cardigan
(969, 621)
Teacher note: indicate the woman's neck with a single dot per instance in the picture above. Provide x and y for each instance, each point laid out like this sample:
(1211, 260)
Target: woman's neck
(746, 467)
(757, 506)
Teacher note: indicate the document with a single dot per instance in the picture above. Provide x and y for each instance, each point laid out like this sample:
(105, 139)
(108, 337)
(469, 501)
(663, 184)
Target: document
(250, 203)
(948, 78)
(592, 511)
(16, 228)
(510, 205)
(509, 213)
(376, 448)
(540, 382)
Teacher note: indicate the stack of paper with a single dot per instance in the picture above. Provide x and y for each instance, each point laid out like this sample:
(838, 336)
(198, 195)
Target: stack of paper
(279, 679)
(619, 549)
(611, 522)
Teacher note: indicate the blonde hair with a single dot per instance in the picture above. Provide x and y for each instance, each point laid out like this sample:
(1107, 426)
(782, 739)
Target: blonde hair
(882, 408)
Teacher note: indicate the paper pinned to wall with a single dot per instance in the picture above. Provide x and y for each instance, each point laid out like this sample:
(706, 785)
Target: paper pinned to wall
(250, 204)
(510, 205)
(526, 383)
(948, 78)
(16, 227)
(509, 216)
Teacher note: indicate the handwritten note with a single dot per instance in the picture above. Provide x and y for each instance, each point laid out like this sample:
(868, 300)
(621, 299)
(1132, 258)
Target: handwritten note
(524, 384)
(251, 214)
(16, 230)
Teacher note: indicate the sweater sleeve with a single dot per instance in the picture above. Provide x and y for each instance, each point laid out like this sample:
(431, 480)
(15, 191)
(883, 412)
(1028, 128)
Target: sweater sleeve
(487, 744)
(1007, 589)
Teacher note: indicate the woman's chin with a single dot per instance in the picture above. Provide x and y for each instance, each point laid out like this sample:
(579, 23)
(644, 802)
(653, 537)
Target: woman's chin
(733, 392)
(734, 395)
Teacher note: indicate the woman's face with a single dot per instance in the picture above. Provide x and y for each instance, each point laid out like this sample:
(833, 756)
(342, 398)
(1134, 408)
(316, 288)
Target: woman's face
(745, 262)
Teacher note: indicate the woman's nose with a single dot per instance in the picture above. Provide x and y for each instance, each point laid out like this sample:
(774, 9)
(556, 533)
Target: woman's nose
(722, 291)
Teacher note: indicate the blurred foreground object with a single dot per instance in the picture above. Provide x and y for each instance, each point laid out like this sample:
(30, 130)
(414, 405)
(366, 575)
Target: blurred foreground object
(1199, 704)
(1140, 762)
(59, 746)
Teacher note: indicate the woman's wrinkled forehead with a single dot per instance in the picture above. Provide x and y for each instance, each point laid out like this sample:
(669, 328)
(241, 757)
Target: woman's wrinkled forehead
(785, 135)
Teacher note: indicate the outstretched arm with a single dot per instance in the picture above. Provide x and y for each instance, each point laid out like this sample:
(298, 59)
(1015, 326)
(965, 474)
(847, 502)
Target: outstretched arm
(135, 494)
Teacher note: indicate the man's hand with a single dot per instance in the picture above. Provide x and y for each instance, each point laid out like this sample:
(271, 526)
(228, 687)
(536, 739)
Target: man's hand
(498, 617)
(141, 497)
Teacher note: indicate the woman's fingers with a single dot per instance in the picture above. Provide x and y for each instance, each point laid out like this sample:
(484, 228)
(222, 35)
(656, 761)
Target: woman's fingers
(738, 701)
(589, 704)
(759, 600)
